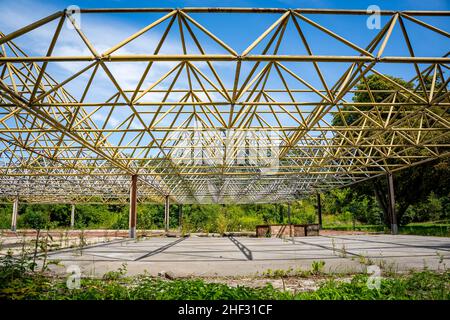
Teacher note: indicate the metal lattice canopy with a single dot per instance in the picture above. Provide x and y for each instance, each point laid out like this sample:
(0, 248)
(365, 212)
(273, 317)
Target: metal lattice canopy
(187, 102)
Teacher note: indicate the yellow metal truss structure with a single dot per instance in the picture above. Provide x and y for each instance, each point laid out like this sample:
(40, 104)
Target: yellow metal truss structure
(194, 124)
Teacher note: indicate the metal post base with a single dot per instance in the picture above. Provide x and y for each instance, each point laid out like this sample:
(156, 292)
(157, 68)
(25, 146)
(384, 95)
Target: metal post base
(133, 233)
(394, 229)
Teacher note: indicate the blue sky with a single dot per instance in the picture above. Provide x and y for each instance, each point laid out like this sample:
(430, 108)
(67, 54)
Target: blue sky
(237, 30)
(21, 12)
(349, 4)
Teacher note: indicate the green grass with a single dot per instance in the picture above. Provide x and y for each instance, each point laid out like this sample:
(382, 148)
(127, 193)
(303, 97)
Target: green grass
(349, 227)
(421, 229)
(419, 285)
(425, 285)
(426, 229)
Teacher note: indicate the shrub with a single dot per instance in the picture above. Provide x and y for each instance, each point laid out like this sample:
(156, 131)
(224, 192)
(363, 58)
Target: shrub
(5, 216)
(249, 223)
(34, 218)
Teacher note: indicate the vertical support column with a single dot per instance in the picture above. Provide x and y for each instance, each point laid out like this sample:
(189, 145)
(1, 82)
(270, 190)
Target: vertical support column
(15, 211)
(319, 210)
(166, 213)
(72, 216)
(391, 204)
(289, 219)
(133, 205)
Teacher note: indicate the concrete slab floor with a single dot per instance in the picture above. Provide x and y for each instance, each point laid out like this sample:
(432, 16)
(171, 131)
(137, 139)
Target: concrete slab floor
(241, 256)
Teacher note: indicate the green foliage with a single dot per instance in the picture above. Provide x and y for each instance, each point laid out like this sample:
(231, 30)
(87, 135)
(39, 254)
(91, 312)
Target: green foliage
(340, 207)
(381, 90)
(116, 275)
(417, 285)
(35, 217)
(434, 208)
(222, 223)
(424, 285)
(149, 217)
(98, 216)
(19, 281)
(344, 206)
(423, 229)
(250, 222)
(12, 268)
(5, 216)
(355, 206)
(278, 273)
(303, 211)
(317, 267)
(425, 189)
(413, 186)
(202, 218)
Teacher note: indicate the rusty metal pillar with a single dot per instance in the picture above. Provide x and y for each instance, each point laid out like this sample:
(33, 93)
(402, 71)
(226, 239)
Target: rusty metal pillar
(72, 216)
(133, 205)
(391, 204)
(15, 210)
(166, 213)
(319, 210)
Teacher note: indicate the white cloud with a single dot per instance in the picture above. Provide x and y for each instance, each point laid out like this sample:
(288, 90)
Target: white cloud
(103, 33)
(99, 32)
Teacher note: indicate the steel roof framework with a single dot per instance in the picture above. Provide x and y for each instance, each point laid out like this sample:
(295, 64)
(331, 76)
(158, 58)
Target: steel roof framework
(60, 147)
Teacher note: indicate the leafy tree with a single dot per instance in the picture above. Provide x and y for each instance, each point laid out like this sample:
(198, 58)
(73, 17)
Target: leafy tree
(381, 90)
(412, 185)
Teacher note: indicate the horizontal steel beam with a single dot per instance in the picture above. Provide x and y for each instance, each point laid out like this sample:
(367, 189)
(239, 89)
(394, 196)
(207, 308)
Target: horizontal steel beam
(262, 10)
(225, 57)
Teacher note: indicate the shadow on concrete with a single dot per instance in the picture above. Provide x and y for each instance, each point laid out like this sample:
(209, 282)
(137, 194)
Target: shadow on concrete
(84, 248)
(159, 250)
(432, 247)
(246, 251)
(334, 250)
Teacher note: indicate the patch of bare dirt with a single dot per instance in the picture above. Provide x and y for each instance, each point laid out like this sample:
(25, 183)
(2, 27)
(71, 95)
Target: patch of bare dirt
(292, 284)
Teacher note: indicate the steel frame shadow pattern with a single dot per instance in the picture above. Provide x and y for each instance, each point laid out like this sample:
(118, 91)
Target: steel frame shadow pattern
(62, 141)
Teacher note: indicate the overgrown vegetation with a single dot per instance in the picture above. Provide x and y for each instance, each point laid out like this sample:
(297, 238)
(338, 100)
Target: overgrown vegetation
(317, 268)
(422, 229)
(18, 281)
(344, 209)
